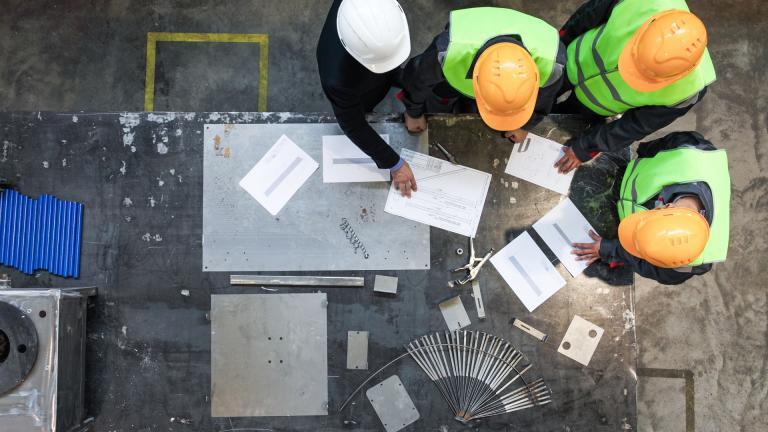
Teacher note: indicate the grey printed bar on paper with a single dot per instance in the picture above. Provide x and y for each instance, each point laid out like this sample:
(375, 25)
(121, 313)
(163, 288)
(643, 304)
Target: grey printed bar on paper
(283, 176)
(352, 161)
(526, 276)
(562, 234)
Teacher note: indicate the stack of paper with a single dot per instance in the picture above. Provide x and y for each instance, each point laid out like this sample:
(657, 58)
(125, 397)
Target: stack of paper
(533, 160)
(278, 175)
(563, 226)
(449, 196)
(527, 271)
(344, 162)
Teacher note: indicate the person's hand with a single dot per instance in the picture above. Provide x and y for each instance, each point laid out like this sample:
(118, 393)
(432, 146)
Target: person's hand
(589, 252)
(568, 162)
(516, 136)
(404, 180)
(415, 125)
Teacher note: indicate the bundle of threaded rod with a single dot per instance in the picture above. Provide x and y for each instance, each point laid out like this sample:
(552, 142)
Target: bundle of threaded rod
(479, 375)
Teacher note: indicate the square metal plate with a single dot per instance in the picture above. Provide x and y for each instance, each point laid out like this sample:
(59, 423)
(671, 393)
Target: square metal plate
(580, 340)
(392, 404)
(385, 284)
(240, 235)
(455, 314)
(269, 355)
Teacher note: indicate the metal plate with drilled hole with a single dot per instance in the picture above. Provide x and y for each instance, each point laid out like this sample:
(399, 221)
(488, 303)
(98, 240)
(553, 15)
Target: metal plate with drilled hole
(392, 404)
(454, 313)
(580, 341)
(269, 355)
(357, 350)
(240, 235)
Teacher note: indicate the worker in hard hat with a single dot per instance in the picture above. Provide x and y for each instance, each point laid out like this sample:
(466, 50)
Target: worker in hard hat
(361, 47)
(509, 63)
(645, 61)
(674, 207)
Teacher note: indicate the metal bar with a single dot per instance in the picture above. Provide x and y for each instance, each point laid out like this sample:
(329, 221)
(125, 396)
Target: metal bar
(313, 281)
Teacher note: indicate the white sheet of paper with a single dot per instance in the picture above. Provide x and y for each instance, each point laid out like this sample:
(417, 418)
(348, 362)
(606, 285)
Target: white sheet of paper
(449, 196)
(278, 175)
(563, 226)
(344, 162)
(533, 160)
(527, 271)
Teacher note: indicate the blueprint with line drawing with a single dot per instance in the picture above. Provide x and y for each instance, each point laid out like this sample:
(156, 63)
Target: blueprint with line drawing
(534, 159)
(527, 271)
(449, 196)
(278, 175)
(563, 226)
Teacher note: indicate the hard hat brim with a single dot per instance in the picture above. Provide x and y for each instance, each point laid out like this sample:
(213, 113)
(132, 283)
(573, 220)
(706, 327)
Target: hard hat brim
(627, 229)
(504, 122)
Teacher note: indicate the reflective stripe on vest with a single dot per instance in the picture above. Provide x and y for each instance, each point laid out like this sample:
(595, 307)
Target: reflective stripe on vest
(646, 177)
(471, 28)
(593, 60)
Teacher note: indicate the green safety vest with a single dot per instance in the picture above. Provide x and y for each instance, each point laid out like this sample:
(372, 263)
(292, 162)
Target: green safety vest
(471, 28)
(646, 177)
(593, 63)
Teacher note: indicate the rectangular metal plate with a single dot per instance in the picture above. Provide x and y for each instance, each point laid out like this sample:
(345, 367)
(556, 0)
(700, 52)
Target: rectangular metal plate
(297, 281)
(269, 355)
(240, 235)
(455, 314)
(478, 296)
(385, 284)
(357, 350)
(580, 341)
(392, 404)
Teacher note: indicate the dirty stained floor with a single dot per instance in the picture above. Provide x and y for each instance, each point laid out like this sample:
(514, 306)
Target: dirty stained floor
(75, 55)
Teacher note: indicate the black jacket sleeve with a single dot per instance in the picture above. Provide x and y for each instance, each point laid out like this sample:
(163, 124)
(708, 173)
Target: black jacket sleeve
(419, 76)
(634, 125)
(611, 251)
(350, 114)
(672, 141)
(588, 16)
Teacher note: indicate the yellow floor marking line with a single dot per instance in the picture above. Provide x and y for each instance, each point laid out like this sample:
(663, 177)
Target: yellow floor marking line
(154, 37)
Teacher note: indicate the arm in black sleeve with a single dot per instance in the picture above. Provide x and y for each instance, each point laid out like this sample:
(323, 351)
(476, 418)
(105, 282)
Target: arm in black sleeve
(588, 16)
(548, 94)
(611, 251)
(351, 117)
(420, 75)
(633, 125)
(672, 141)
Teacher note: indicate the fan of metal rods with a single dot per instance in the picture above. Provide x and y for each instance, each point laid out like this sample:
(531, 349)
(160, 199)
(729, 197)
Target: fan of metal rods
(475, 373)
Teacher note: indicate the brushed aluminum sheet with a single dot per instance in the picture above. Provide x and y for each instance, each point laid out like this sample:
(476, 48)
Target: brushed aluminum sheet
(240, 235)
(269, 355)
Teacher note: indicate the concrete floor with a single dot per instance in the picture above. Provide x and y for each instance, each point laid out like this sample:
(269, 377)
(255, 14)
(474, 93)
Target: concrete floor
(92, 58)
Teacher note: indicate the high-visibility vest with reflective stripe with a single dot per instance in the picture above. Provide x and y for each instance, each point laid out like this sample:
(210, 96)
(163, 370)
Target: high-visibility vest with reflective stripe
(646, 177)
(593, 60)
(471, 28)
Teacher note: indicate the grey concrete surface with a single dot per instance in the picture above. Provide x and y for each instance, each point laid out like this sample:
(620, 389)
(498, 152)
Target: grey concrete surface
(82, 55)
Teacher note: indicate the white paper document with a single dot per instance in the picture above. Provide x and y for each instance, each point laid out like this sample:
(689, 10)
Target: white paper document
(533, 160)
(563, 226)
(449, 196)
(278, 175)
(527, 271)
(344, 162)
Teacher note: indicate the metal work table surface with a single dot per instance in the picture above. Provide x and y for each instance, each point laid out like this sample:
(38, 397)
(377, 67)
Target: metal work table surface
(148, 362)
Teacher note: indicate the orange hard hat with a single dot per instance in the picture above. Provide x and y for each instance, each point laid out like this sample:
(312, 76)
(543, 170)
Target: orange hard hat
(666, 48)
(665, 237)
(506, 83)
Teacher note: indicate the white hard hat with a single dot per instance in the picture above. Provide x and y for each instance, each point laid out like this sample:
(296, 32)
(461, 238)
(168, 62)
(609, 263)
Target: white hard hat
(375, 33)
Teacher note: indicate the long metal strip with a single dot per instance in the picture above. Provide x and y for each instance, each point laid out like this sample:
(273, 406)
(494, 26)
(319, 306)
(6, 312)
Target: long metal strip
(298, 281)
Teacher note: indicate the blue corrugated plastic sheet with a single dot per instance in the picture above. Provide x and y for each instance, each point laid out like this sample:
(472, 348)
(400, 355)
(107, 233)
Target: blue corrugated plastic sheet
(45, 233)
